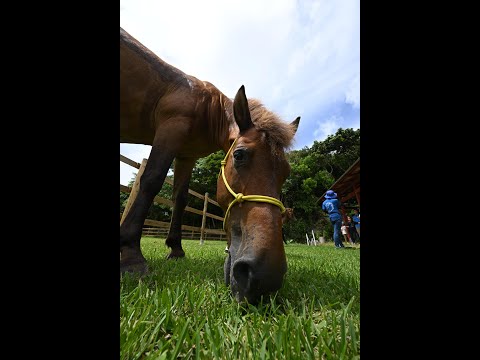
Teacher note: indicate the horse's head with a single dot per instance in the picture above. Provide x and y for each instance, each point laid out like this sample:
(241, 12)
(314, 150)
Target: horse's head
(248, 190)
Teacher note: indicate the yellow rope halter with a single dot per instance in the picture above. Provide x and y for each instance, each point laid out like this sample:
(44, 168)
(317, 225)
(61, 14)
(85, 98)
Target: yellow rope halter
(240, 197)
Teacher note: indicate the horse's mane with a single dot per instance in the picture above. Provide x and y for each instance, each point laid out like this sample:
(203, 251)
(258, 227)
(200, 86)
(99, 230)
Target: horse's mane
(219, 109)
(279, 133)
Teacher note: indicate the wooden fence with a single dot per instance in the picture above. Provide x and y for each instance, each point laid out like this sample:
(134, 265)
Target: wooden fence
(160, 228)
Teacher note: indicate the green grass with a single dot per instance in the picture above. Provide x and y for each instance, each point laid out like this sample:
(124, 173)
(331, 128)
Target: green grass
(183, 310)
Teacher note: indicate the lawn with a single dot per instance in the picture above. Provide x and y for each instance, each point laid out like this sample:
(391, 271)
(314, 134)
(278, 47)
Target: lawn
(183, 310)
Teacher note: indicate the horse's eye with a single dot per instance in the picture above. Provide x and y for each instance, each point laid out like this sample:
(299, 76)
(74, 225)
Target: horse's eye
(240, 155)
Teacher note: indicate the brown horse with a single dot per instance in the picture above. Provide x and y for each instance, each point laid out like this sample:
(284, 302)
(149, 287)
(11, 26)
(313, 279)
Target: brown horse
(184, 118)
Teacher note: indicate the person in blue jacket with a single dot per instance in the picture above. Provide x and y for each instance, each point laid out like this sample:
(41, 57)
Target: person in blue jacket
(332, 205)
(356, 220)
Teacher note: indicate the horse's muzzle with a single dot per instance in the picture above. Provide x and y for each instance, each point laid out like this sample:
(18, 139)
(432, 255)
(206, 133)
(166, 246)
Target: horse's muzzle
(252, 278)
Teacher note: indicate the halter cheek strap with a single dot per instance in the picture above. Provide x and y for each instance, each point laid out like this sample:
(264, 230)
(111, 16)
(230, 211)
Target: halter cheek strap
(239, 198)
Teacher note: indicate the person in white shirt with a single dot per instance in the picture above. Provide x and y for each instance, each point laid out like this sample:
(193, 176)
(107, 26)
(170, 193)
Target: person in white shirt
(344, 230)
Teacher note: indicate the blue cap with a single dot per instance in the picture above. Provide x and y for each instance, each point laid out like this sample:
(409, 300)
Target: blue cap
(331, 194)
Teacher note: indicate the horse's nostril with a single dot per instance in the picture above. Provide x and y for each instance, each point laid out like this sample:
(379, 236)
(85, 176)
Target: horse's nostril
(251, 278)
(242, 273)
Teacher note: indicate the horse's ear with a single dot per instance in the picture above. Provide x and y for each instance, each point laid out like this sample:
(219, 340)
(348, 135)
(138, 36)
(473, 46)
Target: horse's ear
(295, 123)
(240, 110)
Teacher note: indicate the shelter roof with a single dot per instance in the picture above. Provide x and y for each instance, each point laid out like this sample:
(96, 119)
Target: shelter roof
(347, 186)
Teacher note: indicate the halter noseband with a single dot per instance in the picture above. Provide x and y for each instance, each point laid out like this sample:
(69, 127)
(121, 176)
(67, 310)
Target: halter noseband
(240, 197)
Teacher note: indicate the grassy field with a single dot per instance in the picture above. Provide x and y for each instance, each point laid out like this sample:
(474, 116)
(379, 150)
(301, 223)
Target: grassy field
(183, 310)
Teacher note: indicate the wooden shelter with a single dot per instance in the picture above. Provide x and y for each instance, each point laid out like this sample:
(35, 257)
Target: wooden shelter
(348, 185)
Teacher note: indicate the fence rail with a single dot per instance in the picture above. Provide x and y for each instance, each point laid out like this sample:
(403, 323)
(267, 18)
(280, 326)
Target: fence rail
(160, 228)
(191, 235)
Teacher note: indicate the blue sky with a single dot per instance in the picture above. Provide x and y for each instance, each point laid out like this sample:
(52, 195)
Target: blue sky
(300, 58)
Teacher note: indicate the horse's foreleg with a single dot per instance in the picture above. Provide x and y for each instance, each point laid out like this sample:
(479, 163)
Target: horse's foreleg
(131, 258)
(181, 179)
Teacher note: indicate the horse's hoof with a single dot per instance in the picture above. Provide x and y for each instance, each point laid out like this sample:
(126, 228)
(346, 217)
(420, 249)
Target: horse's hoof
(176, 253)
(138, 268)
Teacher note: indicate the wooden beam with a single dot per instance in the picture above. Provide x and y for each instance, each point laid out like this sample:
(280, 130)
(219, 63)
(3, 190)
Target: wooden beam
(204, 218)
(194, 193)
(130, 162)
(160, 200)
(345, 175)
(213, 202)
(163, 224)
(215, 217)
(356, 189)
(215, 231)
(350, 195)
(125, 188)
(156, 223)
(134, 191)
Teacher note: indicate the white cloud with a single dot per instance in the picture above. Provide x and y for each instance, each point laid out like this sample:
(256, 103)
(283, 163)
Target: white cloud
(327, 127)
(352, 95)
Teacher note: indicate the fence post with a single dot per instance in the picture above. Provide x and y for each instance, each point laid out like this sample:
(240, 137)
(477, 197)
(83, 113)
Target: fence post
(134, 192)
(204, 219)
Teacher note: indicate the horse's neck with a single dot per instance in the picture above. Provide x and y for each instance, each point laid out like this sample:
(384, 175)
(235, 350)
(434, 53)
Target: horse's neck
(217, 113)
